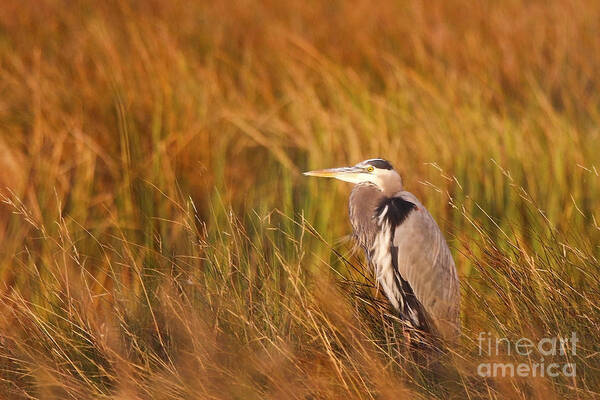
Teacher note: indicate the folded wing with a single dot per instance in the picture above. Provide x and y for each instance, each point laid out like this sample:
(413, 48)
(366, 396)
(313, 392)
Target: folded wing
(414, 266)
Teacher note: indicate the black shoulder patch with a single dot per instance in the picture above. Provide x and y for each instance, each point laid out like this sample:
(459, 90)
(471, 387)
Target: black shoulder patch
(379, 163)
(394, 210)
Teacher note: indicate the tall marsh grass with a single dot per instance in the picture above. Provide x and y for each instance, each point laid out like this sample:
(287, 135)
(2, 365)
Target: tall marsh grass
(158, 240)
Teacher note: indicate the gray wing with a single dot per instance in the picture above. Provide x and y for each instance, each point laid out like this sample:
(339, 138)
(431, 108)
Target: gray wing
(419, 262)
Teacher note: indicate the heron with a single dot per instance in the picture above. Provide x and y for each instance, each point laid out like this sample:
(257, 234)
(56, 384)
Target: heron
(404, 246)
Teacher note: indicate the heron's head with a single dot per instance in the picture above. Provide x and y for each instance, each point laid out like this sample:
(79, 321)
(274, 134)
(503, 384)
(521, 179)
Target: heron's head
(376, 171)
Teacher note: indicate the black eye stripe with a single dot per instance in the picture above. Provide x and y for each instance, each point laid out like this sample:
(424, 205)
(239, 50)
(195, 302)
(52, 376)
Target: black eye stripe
(379, 163)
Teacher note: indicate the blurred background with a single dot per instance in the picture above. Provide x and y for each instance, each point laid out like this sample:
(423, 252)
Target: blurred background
(144, 142)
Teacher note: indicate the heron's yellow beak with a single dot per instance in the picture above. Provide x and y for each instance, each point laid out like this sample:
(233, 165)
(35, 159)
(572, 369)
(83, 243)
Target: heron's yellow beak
(334, 172)
(346, 174)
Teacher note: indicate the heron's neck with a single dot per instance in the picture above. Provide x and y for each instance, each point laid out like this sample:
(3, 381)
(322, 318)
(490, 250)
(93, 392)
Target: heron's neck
(390, 191)
(390, 183)
(364, 199)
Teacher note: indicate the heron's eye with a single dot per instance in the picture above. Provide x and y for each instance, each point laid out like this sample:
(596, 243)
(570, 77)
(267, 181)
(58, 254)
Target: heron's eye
(370, 169)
